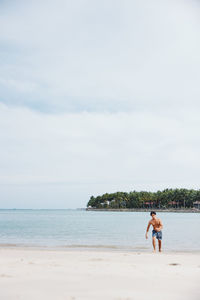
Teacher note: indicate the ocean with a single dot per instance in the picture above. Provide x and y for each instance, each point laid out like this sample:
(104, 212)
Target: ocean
(96, 229)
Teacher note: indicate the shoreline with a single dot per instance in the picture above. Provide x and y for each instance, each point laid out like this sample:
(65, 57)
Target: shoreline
(95, 248)
(145, 210)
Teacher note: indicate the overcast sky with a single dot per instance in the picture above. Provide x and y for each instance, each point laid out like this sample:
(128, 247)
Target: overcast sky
(95, 97)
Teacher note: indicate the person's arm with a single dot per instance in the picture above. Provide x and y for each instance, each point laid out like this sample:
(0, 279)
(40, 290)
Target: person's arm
(149, 224)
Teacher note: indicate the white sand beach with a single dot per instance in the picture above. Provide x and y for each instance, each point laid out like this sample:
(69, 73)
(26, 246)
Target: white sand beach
(27, 273)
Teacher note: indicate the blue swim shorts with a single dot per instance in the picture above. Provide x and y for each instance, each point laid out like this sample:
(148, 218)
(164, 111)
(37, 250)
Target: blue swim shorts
(157, 234)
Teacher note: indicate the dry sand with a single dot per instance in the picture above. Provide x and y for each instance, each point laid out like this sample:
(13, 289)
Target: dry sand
(28, 274)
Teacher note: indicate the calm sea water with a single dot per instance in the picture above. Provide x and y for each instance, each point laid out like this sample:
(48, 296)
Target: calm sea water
(79, 228)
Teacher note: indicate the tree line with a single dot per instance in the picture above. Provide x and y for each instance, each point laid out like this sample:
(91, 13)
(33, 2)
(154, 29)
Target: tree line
(168, 198)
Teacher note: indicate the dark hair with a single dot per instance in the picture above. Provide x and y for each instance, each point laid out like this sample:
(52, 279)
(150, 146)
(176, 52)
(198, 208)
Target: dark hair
(152, 213)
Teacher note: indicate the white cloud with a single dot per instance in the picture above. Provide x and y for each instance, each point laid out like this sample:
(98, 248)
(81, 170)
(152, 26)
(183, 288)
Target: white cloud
(97, 56)
(18, 86)
(96, 152)
(115, 91)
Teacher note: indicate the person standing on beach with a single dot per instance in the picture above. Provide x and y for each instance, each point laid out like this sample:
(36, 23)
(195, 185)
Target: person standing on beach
(156, 232)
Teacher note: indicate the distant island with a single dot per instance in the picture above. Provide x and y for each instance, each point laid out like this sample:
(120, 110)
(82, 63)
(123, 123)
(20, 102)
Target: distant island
(168, 199)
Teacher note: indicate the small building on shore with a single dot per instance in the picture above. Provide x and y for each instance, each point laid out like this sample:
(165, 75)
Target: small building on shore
(196, 204)
(149, 204)
(172, 204)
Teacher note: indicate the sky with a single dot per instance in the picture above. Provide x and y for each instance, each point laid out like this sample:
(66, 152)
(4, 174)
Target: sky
(96, 97)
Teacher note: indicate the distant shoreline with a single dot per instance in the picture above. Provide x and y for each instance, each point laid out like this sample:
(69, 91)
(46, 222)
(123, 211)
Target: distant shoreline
(174, 210)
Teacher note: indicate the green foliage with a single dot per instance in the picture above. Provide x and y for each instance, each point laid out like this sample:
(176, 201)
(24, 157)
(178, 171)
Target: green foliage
(177, 198)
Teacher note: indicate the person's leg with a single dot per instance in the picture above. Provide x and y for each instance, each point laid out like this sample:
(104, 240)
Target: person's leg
(154, 243)
(160, 245)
